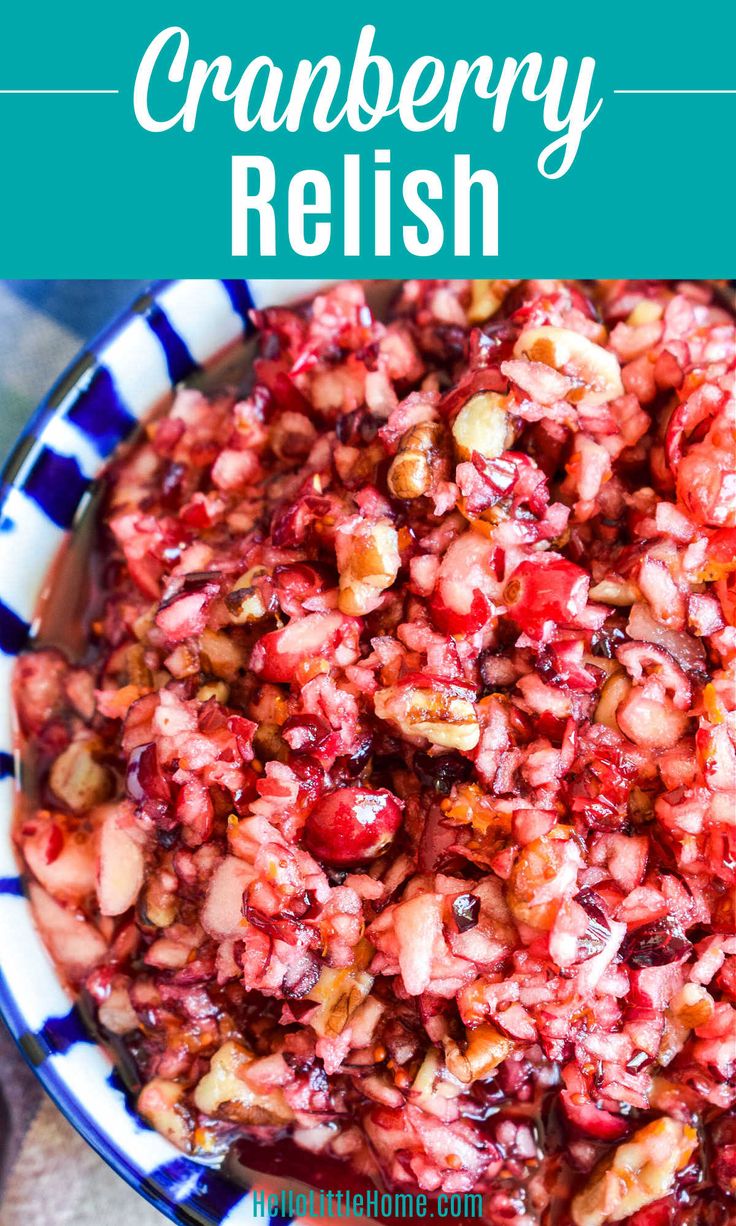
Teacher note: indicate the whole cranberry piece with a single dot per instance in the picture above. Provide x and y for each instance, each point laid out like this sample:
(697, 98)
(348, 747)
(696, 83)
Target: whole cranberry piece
(352, 825)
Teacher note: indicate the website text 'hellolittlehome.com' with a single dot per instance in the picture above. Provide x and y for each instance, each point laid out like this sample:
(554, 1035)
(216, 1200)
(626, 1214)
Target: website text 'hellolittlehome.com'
(371, 1204)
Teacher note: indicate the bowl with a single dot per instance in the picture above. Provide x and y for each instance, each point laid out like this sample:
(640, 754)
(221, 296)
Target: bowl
(168, 334)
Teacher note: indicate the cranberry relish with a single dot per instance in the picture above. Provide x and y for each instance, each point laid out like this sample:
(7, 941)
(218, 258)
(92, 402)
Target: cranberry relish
(392, 807)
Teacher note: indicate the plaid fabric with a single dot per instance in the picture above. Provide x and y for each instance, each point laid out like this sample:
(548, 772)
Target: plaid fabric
(43, 324)
(48, 1175)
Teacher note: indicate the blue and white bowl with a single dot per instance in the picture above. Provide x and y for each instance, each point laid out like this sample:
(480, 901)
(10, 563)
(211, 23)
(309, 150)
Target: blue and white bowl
(168, 333)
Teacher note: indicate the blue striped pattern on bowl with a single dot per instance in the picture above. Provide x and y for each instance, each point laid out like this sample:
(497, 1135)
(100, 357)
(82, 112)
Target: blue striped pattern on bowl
(168, 333)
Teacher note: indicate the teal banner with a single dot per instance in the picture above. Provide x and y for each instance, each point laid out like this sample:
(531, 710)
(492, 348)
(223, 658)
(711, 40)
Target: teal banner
(185, 139)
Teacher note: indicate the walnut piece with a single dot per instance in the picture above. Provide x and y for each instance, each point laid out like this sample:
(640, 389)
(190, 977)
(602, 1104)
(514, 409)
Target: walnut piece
(482, 425)
(637, 1173)
(595, 370)
(368, 562)
(412, 471)
(225, 1091)
(443, 718)
(485, 1049)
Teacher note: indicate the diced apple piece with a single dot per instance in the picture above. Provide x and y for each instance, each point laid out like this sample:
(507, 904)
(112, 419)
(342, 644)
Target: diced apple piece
(120, 867)
(159, 1102)
(75, 944)
(222, 914)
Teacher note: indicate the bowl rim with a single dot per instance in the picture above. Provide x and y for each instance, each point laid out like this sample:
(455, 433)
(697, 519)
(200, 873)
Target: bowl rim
(174, 1200)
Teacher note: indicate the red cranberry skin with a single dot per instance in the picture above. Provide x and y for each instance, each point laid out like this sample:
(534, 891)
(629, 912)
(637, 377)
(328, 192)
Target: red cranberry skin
(145, 780)
(449, 621)
(352, 825)
(277, 655)
(686, 418)
(546, 588)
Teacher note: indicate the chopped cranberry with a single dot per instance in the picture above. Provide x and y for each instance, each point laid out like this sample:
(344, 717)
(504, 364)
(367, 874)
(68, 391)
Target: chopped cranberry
(296, 583)
(357, 428)
(723, 1167)
(355, 764)
(277, 655)
(311, 776)
(172, 481)
(305, 733)
(145, 779)
(687, 417)
(243, 731)
(452, 622)
(486, 378)
(194, 810)
(606, 640)
(465, 911)
(300, 980)
(598, 933)
(283, 390)
(655, 944)
(54, 843)
(167, 434)
(598, 787)
(212, 717)
(546, 588)
(292, 522)
(442, 771)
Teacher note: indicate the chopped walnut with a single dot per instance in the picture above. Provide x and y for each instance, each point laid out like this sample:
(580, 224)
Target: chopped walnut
(77, 780)
(692, 1006)
(220, 654)
(116, 1013)
(619, 592)
(213, 689)
(245, 603)
(441, 716)
(594, 371)
(160, 902)
(636, 1174)
(615, 689)
(224, 1090)
(340, 991)
(486, 297)
(485, 1049)
(544, 871)
(421, 450)
(368, 561)
(482, 425)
